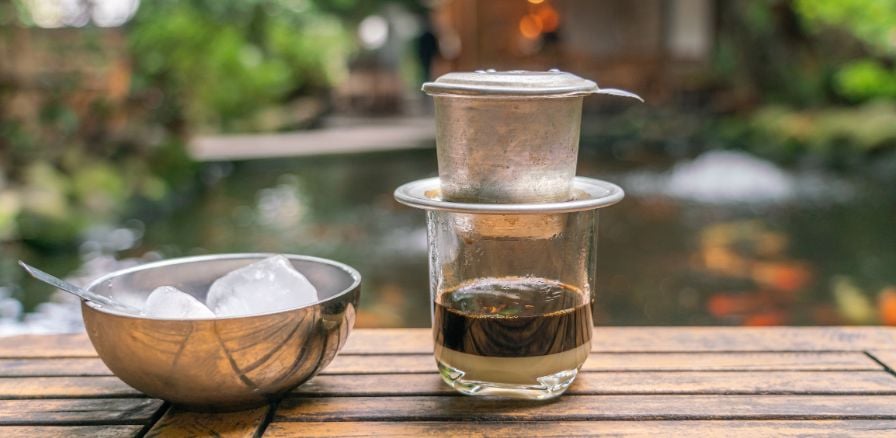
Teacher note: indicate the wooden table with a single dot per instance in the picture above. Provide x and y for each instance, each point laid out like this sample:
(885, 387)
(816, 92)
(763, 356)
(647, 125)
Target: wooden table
(638, 381)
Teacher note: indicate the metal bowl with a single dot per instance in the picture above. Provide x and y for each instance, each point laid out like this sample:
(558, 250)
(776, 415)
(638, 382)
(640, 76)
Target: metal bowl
(227, 363)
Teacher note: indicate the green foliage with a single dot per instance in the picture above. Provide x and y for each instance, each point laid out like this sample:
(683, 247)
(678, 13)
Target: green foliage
(872, 21)
(866, 128)
(355, 10)
(75, 154)
(760, 51)
(808, 53)
(225, 60)
(865, 80)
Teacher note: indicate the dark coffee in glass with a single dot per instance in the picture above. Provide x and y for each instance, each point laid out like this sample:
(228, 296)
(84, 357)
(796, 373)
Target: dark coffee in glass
(511, 330)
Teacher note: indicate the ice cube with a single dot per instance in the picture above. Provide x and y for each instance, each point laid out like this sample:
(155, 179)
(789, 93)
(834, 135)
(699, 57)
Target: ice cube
(266, 286)
(170, 302)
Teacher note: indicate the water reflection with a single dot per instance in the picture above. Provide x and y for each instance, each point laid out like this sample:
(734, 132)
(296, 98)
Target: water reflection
(723, 248)
(750, 252)
(736, 178)
(665, 257)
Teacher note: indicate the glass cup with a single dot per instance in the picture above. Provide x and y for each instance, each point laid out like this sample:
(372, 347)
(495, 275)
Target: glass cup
(512, 286)
(511, 297)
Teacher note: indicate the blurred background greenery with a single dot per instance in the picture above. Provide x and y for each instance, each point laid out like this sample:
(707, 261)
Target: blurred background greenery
(101, 100)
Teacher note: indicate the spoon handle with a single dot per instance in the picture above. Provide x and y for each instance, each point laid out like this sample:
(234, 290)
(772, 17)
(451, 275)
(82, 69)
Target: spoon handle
(75, 290)
(618, 92)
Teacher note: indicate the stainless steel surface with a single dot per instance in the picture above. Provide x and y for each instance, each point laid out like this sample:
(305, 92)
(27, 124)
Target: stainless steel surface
(510, 83)
(84, 294)
(227, 363)
(551, 83)
(508, 137)
(586, 194)
(508, 150)
(515, 221)
(619, 93)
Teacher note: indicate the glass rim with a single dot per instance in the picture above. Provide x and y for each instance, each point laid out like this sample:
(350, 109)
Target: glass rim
(588, 194)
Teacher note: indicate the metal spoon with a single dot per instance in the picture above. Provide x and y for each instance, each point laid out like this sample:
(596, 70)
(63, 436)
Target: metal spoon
(84, 294)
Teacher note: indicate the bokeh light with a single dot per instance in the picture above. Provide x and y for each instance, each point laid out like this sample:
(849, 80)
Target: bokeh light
(531, 26)
(373, 31)
(76, 13)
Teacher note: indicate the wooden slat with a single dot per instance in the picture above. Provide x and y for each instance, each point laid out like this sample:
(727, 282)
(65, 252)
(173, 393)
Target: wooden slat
(736, 361)
(652, 382)
(177, 422)
(716, 382)
(665, 339)
(619, 339)
(855, 428)
(69, 431)
(747, 361)
(424, 363)
(65, 387)
(633, 339)
(860, 428)
(77, 345)
(375, 385)
(382, 364)
(78, 411)
(53, 367)
(391, 341)
(587, 407)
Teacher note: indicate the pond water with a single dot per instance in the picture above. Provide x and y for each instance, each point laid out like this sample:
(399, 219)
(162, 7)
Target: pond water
(725, 239)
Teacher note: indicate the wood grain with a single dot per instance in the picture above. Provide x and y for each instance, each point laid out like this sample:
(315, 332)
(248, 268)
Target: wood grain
(78, 411)
(588, 407)
(739, 361)
(424, 363)
(719, 382)
(24, 346)
(375, 385)
(858, 428)
(65, 387)
(616, 339)
(664, 339)
(389, 341)
(69, 431)
(772, 381)
(53, 367)
(181, 423)
(747, 361)
(653, 382)
(659, 339)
